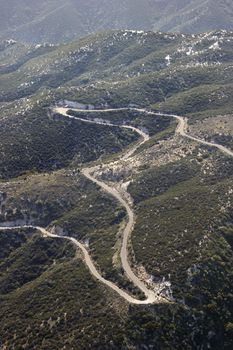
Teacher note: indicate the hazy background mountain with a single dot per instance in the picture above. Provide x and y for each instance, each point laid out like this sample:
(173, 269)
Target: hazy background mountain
(61, 20)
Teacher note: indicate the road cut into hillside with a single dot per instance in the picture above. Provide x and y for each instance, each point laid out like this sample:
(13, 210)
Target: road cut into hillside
(151, 296)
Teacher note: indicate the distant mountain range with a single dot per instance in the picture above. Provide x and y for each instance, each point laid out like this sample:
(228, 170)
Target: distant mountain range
(63, 20)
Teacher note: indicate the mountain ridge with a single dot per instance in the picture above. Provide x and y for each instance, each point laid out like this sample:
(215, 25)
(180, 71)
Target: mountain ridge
(60, 21)
(180, 190)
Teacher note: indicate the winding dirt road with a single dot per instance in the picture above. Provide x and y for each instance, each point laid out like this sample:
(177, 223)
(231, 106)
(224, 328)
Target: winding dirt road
(181, 128)
(151, 296)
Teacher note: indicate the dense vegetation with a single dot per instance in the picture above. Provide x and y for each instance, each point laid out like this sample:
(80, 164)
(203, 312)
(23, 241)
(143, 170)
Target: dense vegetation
(152, 125)
(63, 306)
(49, 144)
(187, 225)
(140, 68)
(66, 200)
(182, 194)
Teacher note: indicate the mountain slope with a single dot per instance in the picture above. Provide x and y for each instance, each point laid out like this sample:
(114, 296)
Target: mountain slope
(117, 68)
(57, 21)
(180, 192)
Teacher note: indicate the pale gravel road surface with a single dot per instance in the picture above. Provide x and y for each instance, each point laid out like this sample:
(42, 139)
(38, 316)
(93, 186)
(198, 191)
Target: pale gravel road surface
(151, 296)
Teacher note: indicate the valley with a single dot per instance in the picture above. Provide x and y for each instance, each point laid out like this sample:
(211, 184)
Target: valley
(116, 193)
(151, 296)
